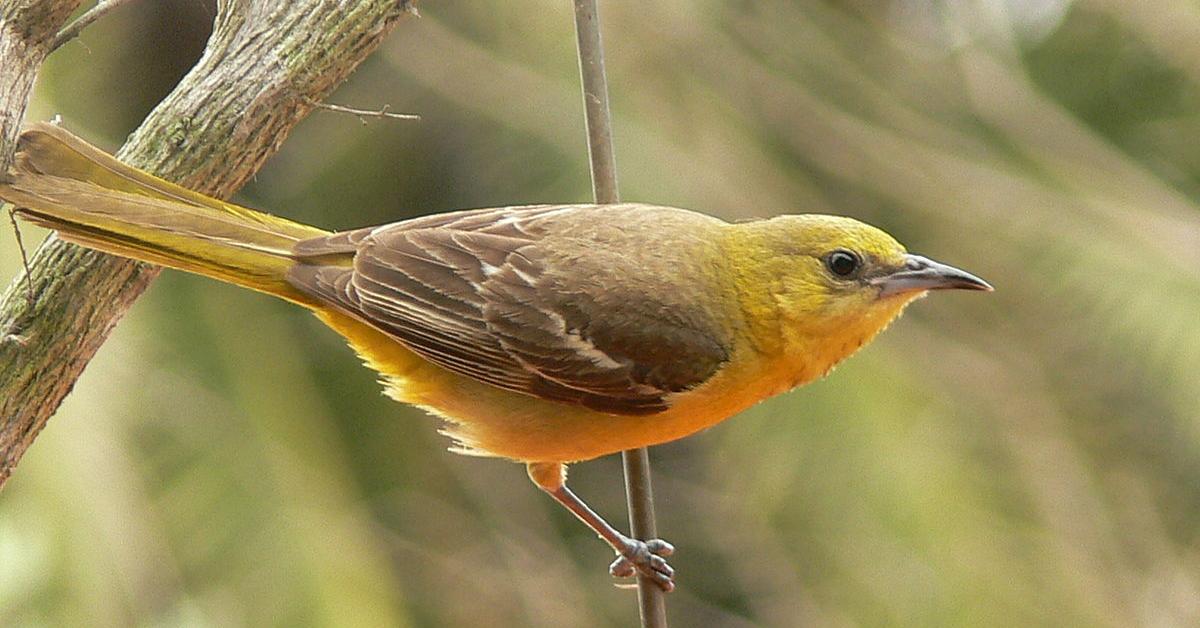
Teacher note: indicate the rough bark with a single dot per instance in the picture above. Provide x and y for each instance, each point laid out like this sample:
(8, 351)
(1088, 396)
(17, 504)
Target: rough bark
(27, 29)
(265, 65)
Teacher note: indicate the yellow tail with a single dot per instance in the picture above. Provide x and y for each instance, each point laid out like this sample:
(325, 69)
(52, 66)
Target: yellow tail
(92, 199)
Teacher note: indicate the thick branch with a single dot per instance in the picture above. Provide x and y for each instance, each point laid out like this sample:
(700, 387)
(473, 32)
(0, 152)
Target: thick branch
(266, 63)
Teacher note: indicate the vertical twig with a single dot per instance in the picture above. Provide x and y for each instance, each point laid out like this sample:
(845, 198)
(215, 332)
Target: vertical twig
(595, 102)
(651, 602)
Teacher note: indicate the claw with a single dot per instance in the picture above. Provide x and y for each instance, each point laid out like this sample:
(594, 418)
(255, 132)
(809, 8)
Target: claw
(622, 568)
(660, 547)
(646, 558)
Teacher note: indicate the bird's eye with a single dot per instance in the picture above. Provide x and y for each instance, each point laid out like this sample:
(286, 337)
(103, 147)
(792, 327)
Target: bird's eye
(843, 263)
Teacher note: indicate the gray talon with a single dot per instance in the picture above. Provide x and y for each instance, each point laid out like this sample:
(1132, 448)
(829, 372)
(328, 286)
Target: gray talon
(659, 547)
(622, 568)
(647, 558)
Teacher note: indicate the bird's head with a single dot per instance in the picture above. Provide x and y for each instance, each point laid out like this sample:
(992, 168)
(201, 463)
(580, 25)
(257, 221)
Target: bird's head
(833, 283)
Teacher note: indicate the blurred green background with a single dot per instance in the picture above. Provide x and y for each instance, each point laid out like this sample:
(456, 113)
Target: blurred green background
(1026, 458)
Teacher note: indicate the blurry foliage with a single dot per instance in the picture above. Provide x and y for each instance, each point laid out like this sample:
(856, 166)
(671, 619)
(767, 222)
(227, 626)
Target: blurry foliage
(1026, 458)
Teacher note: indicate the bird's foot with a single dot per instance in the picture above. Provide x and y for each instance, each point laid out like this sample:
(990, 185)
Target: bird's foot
(647, 558)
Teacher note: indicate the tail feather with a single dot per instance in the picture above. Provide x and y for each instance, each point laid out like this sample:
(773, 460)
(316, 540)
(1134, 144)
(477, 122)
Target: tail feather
(92, 199)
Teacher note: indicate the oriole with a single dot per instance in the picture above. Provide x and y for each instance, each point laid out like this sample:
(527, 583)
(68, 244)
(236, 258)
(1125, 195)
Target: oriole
(545, 334)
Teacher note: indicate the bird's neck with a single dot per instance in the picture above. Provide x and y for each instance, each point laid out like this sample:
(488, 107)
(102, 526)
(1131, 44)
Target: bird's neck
(807, 354)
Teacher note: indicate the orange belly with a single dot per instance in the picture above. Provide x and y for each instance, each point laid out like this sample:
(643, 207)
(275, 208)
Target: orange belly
(488, 421)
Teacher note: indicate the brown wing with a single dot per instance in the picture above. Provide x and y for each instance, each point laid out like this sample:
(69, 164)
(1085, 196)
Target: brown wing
(547, 301)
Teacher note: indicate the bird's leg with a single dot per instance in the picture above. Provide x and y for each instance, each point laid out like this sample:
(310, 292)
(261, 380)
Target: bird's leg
(645, 557)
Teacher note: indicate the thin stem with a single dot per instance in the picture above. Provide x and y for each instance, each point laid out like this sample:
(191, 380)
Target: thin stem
(72, 30)
(651, 600)
(12, 218)
(640, 497)
(363, 114)
(595, 102)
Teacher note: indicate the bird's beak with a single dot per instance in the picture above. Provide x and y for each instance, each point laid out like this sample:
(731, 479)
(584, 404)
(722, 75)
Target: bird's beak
(921, 273)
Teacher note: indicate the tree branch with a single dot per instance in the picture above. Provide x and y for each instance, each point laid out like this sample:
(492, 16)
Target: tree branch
(72, 30)
(266, 62)
(27, 28)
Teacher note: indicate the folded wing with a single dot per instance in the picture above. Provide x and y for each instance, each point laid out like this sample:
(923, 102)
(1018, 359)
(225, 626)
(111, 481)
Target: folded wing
(497, 295)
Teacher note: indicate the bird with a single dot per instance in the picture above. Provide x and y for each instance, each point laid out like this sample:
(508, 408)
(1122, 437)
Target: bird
(544, 334)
